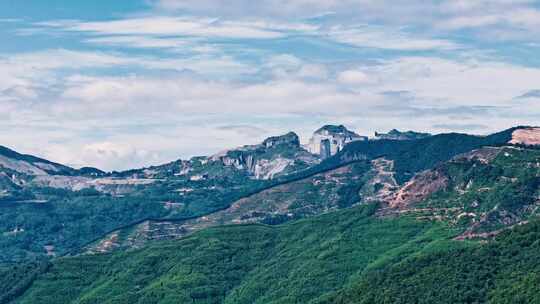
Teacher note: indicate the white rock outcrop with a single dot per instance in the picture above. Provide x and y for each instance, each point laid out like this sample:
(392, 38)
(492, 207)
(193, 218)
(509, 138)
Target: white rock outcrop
(272, 157)
(329, 140)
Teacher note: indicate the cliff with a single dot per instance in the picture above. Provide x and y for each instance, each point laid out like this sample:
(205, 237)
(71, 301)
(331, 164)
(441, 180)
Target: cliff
(331, 139)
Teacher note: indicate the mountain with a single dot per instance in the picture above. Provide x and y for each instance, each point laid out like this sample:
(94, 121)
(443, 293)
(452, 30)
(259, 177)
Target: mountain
(397, 135)
(27, 164)
(331, 139)
(275, 156)
(62, 209)
(412, 156)
(273, 182)
(370, 253)
(377, 222)
(370, 178)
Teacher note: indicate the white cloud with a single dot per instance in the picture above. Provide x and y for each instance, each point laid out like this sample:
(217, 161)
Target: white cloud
(174, 26)
(95, 111)
(116, 155)
(354, 77)
(533, 94)
(377, 37)
(457, 83)
(198, 84)
(42, 69)
(425, 88)
(461, 22)
(493, 19)
(520, 18)
(140, 42)
(247, 130)
(313, 71)
(187, 32)
(297, 8)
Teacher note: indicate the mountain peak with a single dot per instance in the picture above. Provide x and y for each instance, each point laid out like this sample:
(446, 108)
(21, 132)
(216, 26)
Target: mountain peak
(276, 155)
(330, 139)
(290, 138)
(335, 129)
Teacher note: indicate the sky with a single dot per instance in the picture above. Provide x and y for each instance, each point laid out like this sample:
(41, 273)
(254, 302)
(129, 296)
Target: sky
(127, 84)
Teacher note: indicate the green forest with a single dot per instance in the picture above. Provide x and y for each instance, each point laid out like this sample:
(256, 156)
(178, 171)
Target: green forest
(474, 239)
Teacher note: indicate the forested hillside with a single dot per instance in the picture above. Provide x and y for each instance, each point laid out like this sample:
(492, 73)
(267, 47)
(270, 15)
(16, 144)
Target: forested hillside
(50, 209)
(505, 270)
(296, 262)
(462, 230)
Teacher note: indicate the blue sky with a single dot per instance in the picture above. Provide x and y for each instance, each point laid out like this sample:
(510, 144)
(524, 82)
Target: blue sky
(121, 84)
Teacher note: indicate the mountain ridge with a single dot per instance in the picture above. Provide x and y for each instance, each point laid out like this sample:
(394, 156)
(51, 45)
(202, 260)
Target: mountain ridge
(202, 186)
(209, 231)
(8, 152)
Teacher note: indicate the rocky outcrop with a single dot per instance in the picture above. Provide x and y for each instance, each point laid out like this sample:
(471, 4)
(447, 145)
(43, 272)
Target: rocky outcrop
(330, 139)
(288, 139)
(526, 136)
(274, 156)
(381, 185)
(397, 135)
(419, 188)
(268, 169)
(485, 155)
(21, 166)
(31, 165)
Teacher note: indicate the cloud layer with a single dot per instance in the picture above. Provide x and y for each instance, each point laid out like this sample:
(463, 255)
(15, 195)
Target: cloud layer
(187, 78)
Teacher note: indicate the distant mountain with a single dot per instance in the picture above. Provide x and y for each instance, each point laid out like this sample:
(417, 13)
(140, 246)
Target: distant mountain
(275, 156)
(376, 177)
(397, 135)
(31, 165)
(102, 202)
(58, 209)
(392, 242)
(412, 156)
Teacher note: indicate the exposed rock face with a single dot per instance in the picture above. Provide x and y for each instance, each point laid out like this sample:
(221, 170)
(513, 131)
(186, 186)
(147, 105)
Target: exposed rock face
(428, 182)
(381, 183)
(103, 184)
(268, 169)
(329, 140)
(419, 188)
(21, 166)
(326, 148)
(288, 139)
(31, 165)
(89, 171)
(274, 156)
(484, 155)
(397, 135)
(7, 183)
(526, 136)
